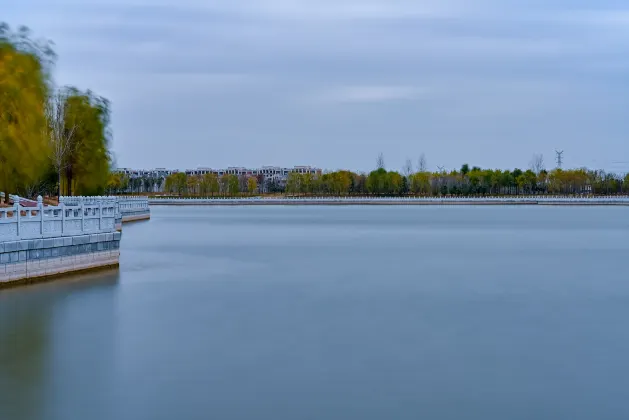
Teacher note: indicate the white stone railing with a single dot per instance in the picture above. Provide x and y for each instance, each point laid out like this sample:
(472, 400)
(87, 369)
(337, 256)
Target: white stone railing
(133, 204)
(75, 201)
(95, 215)
(125, 204)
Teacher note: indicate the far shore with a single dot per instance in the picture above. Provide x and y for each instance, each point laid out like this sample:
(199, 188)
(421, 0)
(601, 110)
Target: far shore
(614, 201)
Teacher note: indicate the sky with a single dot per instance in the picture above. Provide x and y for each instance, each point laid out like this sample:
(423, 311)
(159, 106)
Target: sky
(333, 83)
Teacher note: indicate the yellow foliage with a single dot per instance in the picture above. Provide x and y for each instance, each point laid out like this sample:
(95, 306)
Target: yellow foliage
(23, 92)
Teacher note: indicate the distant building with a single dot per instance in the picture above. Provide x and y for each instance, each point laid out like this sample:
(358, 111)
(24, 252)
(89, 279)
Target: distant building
(270, 175)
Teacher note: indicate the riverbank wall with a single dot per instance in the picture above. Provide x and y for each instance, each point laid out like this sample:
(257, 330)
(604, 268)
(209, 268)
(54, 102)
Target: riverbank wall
(546, 200)
(40, 242)
(30, 260)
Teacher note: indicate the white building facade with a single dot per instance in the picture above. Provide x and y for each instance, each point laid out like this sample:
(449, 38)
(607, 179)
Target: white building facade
(269, 175)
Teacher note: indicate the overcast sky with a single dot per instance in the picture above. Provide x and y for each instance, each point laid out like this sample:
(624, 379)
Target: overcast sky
(334, 82)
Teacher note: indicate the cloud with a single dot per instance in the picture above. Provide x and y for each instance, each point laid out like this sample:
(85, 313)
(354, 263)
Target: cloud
(343, 10)
(292, 9)
(368, 94)
(605, 17)
(279, 81)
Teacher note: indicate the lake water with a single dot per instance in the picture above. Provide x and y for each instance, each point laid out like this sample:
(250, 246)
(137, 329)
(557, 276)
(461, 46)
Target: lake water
(333, 313)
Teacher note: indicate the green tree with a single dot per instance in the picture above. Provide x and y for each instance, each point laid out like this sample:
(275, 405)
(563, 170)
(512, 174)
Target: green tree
(487, 181)
(293, 183)
(233, 185)
(60, 134)
(395, 183)
(169, 184)
(117, 183)
(88, 160)
(306, 183)
(23, 91)
(340, 182)
(555, 181)
(176, 183)
(420, 183)
(192, 184)
(530, 180)
(521, 182)
(252, 185)
(211, 180)
(475, 180)
(148, 184)
(113, 184)
(224, 184)
(377, 181)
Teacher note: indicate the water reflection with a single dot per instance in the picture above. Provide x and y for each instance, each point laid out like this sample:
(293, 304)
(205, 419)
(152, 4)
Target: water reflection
(35, 321)
(333, 313)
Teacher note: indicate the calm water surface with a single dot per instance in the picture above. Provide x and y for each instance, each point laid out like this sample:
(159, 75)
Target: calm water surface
(333, 313)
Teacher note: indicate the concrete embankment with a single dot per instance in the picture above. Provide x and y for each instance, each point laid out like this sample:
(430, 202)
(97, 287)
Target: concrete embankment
(31, 260)
(135, 216)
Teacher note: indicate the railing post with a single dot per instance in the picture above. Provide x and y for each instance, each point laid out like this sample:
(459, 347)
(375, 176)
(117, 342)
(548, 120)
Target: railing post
(62, 206)
(82, 209)
(16, 205)
(100, 214)
(40, 206)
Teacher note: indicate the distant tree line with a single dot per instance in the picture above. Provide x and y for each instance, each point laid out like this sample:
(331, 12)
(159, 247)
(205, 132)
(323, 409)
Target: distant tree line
(210, 184)
(52, 140)
(120, 183)
(465, 181)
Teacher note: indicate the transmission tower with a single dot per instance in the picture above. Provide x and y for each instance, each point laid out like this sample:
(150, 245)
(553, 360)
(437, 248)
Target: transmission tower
(559, 158)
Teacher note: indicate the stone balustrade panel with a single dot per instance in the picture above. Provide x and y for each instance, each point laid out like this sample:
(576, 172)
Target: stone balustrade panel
(71, 217)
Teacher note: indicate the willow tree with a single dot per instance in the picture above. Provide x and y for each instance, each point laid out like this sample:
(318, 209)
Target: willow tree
(61, 134)
(88, 160)
(377, 182)
(23, 93)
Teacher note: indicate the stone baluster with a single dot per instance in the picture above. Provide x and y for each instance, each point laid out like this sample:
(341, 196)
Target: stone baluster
(100, 213)
(16, 211)
(40, 208)
(82, 210)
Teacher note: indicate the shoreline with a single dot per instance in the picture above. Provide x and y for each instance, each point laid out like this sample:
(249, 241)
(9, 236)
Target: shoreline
(48, 278)
(386, 202)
